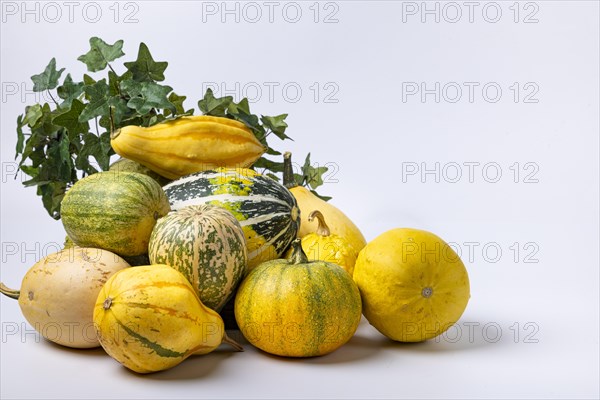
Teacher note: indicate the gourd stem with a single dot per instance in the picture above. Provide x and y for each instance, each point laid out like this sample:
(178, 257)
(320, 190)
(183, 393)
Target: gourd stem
(298, 256)
(288, 171)
(232, 343)
(322, 229)
(12, 293)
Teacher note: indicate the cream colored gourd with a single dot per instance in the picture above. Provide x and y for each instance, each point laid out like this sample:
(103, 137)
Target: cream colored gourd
(58, 294)
(339, 224)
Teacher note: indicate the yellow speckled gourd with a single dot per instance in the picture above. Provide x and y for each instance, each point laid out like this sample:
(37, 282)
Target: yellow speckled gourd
(150, 319)
(188, 144)
(339, 224)
(296, 307)
(324, 246)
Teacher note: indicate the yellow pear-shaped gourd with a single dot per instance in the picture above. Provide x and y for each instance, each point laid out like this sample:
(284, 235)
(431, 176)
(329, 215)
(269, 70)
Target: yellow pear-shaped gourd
(339, 224)
(325, 246)
(150, 319)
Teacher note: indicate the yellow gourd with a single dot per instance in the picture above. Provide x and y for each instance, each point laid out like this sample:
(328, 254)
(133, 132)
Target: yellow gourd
(325, 246)
(339, 224)
(188, 144)
(150, 319)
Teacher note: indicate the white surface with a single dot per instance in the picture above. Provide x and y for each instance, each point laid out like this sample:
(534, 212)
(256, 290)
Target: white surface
(369, 133)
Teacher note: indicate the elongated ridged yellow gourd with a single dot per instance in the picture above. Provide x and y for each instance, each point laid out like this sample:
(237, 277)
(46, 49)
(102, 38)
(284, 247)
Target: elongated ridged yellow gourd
(188, 144)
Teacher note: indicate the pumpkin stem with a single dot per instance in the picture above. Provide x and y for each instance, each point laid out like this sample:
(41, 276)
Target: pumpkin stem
(322, 229)
(288, 171)
(298, 256)
(232, 343)
(12, 293)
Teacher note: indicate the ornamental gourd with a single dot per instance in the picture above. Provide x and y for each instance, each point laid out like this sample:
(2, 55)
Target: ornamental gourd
(58, 293)
(325, 246)
(115, 211)
(266, 210)
(188, 144)
(297, 308)
(339, 224)
(207, 245)
(149, 318)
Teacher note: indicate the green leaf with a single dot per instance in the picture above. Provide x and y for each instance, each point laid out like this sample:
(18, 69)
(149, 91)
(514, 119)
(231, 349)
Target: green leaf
(147, 95)
(145, 69)
(177, 101)
(48, 79)
(274, 166)
(97, 147)
(101, 54)
(324, 198)
(20, 136)
(217, 107)
(310, 176)
(69, 91)
(52, 194)
(70, 119)
(32, 115)
(98, 101)
(277, 125)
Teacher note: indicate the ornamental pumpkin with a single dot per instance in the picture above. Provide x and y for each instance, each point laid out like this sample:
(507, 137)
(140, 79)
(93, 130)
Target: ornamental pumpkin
(339, 224)
(114, 211)
(207, 245)
(323, 245)
(298, 308)
(188, 144)
(149, 318)
(267, 211)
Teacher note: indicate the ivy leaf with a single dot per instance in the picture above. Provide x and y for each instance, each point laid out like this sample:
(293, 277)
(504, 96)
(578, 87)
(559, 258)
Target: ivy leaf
(48, 79)
(217, 107)
(52, 194)
(20, 136)
(145, 69)
(324, 198)
(101, 54)
(277, 125)
(98, 101)
(97, 147)
(310, 176)
(177, 101)
(69, 91)
(70, 119)
(147, 95)
(274, 166)
(32, 115)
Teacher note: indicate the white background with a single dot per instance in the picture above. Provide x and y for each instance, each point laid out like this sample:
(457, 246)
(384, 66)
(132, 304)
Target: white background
(534, 313)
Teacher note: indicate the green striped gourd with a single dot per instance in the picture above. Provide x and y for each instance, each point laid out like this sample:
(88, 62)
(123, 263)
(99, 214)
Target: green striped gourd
(150, 319)
(206, 244)
(298, 308)
(114, 211)
(266, 210)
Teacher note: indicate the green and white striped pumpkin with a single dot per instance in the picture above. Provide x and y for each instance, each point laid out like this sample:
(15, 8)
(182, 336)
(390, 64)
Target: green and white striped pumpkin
(266, 210)
(114, 211)
(206, 244)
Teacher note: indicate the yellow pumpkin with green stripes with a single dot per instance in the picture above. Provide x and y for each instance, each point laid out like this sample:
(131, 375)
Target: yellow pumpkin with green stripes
(206, 244)
(296, 308)
(149, 318)
(266, 210)
(114, 211)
